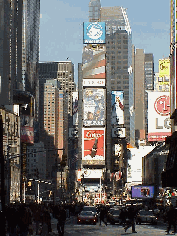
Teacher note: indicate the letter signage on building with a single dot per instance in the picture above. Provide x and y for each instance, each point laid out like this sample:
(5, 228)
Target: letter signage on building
(94, 32)
(158, 116)
(93, 146)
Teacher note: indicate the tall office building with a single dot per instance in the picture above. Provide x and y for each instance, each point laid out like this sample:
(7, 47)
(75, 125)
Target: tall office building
(20, 49)
(119, 61)
(94, 10)
(63, 72)
(53, 121)
(143, 69)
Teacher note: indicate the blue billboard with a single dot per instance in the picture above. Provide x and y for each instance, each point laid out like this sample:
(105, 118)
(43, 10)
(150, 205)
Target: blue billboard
(94, 32)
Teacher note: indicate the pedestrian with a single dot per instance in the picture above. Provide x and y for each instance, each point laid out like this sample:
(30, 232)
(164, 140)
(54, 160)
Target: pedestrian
(11, 217)
(46, 222)
(132, 212)
(103, 215)
(171, 219)
(25, 219)
(61, 216)
(37, 218)
(123, 216)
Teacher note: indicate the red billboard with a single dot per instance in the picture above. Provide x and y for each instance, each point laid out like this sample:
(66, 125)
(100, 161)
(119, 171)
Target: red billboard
(93, 146)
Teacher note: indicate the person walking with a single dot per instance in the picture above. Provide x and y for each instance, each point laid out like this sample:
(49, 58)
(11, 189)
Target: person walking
(171, 219)
(132, 212)
(103, 215)
(61, 220)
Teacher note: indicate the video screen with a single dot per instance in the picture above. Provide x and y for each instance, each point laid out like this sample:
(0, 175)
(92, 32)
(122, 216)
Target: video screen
(142, 192)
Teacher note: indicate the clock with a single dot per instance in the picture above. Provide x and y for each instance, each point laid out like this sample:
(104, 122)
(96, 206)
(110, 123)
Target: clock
(162, 105)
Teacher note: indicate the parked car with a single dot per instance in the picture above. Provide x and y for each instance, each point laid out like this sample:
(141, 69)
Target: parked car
(87, 217)
(113, 215)
(146, 217)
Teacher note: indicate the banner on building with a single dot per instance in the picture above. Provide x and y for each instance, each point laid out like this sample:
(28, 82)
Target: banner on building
(117, 99)
(93, 146)
(94, 32)
(158, 116)
(75, 108)
(94, 107)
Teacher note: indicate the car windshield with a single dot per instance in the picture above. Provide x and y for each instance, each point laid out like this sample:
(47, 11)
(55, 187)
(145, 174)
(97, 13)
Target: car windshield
(116, 212)
(89, 209)
(86, 213)
(145, 213)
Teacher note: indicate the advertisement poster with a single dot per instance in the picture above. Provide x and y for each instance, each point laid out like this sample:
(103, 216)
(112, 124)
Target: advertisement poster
(27, 129)
(94, 107)
(159, 125)
(93, 146)
(94, 63)
(94, 32)
(117, 107)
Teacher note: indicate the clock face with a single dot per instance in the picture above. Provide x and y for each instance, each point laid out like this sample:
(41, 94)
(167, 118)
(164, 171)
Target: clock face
(162, 105)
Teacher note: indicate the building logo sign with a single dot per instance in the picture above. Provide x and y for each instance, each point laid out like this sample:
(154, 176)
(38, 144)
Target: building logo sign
(94, 32)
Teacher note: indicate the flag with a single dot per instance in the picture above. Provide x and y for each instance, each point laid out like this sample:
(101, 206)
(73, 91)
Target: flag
(118, 175)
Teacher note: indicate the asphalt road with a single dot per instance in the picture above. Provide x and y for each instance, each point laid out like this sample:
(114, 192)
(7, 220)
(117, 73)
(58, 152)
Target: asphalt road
(74, 229)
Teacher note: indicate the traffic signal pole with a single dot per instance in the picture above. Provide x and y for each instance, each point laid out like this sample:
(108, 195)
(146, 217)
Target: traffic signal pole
(3, 221)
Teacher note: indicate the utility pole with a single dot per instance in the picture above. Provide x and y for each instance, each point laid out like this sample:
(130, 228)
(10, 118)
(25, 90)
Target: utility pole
(3, 222)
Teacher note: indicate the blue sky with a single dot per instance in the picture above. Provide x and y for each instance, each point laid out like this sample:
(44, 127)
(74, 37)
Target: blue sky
(61, 27)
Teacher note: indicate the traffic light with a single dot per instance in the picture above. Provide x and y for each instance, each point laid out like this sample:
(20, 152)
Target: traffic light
(29, 184)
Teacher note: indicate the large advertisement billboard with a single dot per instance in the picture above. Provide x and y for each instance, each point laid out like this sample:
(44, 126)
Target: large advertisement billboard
(93, 146)
(117, 101)
(94, 32)
(94, 63)
(94, 107)
(158, 116)
(27, 129)
(142, 191)
(75, 108)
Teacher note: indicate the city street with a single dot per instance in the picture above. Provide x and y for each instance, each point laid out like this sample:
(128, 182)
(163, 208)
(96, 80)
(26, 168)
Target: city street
(74, 229)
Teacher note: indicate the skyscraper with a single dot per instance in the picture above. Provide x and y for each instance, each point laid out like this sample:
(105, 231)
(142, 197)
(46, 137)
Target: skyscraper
(119, 61)
(20, 50)
(143, 69)
(94, 10)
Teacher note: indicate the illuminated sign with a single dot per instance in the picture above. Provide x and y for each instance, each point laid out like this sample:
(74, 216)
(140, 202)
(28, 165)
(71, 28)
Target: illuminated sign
(94, 32)
(142, 191)
(93, 82)
(94, 107)
(158, 116)
(93, 146)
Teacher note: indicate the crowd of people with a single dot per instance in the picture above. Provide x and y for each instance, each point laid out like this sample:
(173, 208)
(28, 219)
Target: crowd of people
(21, 218)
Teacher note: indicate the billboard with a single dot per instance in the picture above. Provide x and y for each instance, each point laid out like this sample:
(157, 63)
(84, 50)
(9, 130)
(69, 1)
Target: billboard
(27, 129)
(94, 63)
(142, 191)
(117, 101)
(118, 132)
(94, 32)
(75, 108)
(158, 116)
(164, 67)
(94, 107)
(93, 146)
(92, 173)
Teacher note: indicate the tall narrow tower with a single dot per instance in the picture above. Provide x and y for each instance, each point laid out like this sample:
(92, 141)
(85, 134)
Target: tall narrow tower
(94, 10)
